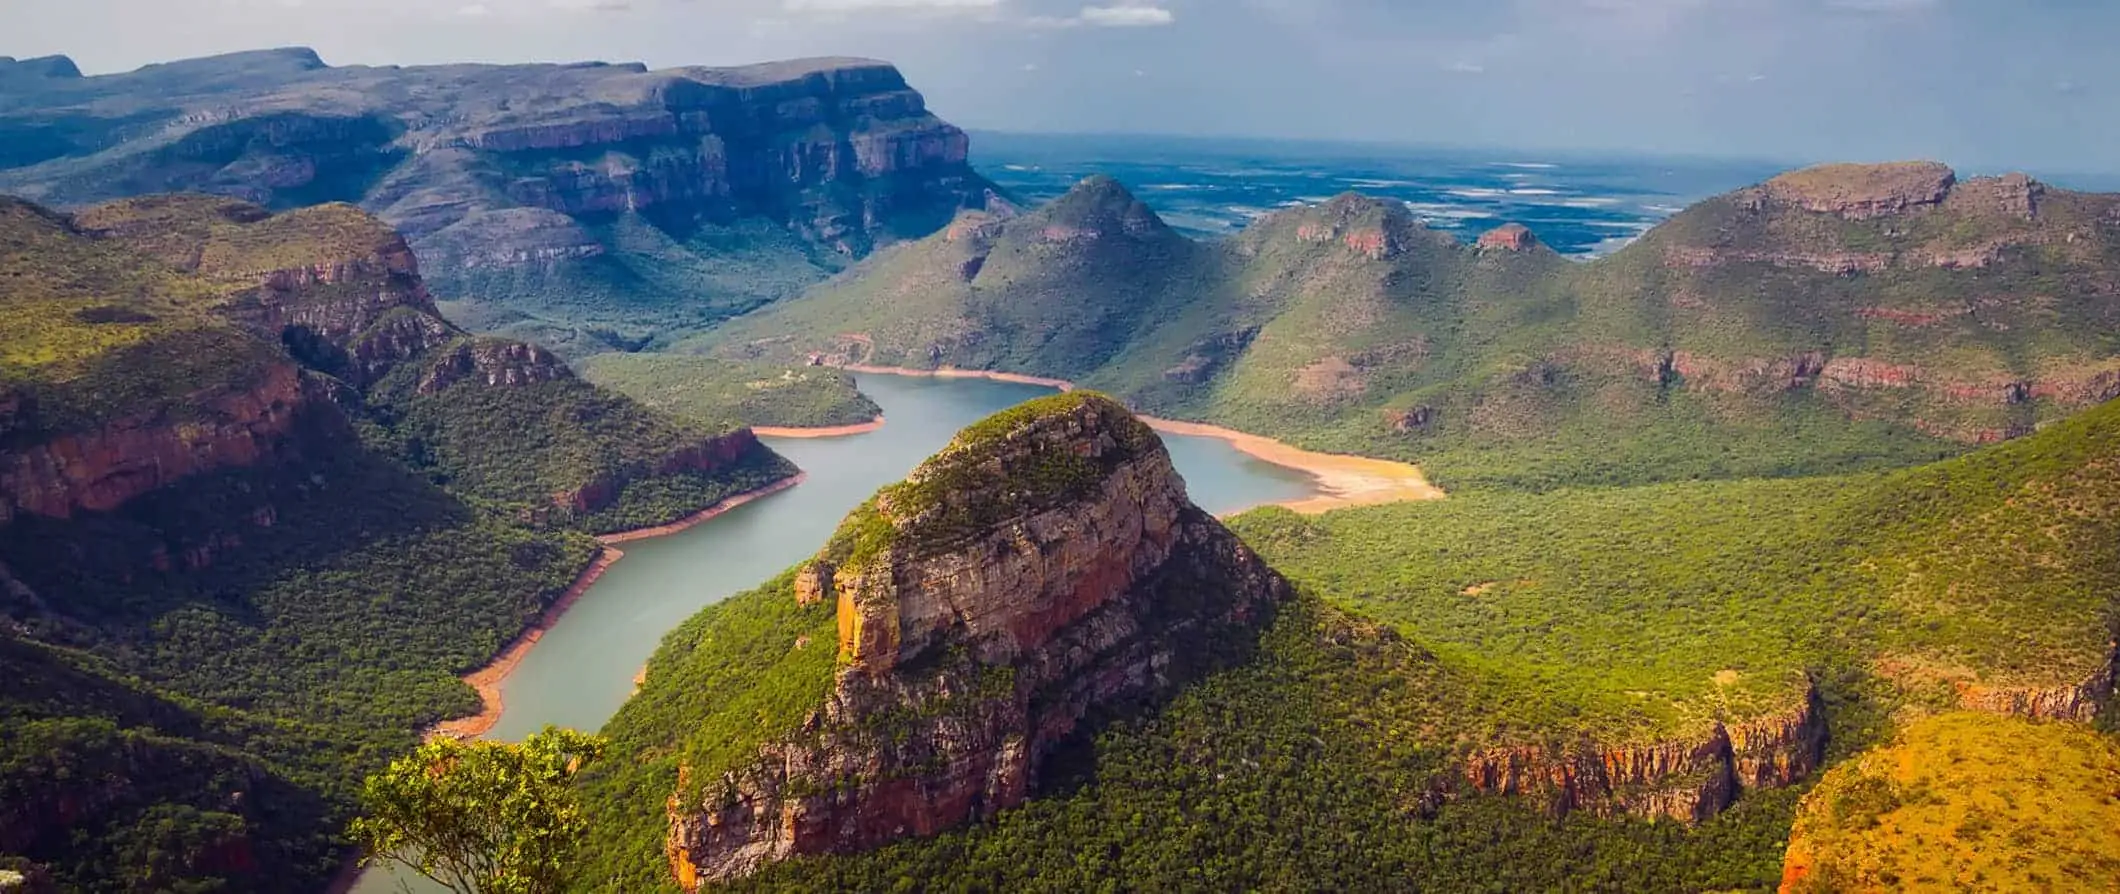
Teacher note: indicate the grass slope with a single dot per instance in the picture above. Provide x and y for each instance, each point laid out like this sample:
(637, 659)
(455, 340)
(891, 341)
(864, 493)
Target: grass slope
(1745, 337)
(203, 674)
(1616, 616)
(1966, 802)
(721, 394)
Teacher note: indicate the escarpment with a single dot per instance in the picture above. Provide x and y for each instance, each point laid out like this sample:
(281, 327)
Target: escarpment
(1687, 779)
(1045, 570)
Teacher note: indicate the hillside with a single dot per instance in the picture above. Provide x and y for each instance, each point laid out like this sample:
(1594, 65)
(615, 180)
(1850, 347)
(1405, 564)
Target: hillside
(1456, 673)
(1830, 320)
(244, 556)
(1965, 802)
(1042, 573)
(585, 206)
(720, 393)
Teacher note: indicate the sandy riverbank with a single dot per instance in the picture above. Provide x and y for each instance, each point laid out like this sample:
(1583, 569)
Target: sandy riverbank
(1345, 480)
(831, 431)
(487, 680)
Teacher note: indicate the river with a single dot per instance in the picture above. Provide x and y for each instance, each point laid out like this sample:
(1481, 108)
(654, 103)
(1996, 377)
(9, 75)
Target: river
(583, 669)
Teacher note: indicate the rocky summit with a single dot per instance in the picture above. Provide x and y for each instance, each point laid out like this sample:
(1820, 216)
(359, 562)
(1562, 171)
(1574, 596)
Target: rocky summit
(1043, 571)
(504, 176)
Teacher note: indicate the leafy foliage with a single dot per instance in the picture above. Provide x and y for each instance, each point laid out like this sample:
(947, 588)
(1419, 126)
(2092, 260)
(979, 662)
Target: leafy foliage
(481, 817)
(719, 394)
(1303, 769)
(1706, 350)
(734, 677)
(1965, 802)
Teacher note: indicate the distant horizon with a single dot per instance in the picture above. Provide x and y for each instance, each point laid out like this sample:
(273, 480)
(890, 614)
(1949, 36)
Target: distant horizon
(1985, 87)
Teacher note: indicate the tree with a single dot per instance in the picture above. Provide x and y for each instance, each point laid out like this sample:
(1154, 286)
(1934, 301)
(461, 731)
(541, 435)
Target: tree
(481, 817)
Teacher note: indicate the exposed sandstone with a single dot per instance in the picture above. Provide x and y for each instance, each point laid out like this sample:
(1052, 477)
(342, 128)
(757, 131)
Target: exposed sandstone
(2080, 702)
(1509, 237)
(102, 469)
(1006, 605)
(1688, 779)
(1861, 192)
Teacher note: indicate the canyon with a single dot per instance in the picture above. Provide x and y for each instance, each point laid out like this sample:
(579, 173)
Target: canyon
(1044, 568)
(501, 174)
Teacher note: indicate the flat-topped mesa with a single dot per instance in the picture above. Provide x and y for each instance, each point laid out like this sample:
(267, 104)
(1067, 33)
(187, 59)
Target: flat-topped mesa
(336, 285)
(1862, 191)
(1045, 566)
(1509, 237)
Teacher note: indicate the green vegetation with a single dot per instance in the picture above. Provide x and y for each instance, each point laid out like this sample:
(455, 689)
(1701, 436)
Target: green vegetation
(1307, 768)
(737, 675)
(481, 817)
(652, 284)
(602, 461)
(985, 474)
(241, 646)
(1965, 802)
(1713, 348)
(720, 394)
(1629, 613)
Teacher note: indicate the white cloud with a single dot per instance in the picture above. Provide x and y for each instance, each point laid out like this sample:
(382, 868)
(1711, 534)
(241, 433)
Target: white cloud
(1130, 16)
(864, 5)
(474, 10)
(1127, 15)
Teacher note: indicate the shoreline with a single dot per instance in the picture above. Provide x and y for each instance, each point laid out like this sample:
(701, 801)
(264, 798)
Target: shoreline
(705, 515)
(829, 431)
(487, 680)
(1344, 481)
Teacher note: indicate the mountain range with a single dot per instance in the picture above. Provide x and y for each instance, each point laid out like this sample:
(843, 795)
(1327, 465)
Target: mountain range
(1831, 319)
(585, 206)
(1813, 483)
(261, 507)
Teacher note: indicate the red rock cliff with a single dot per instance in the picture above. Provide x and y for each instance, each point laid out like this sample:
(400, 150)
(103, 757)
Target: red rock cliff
(1035, 573)
(1688, 778)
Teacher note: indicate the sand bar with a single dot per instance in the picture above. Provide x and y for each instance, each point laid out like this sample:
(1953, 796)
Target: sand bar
(1346, 481)
(830, 431)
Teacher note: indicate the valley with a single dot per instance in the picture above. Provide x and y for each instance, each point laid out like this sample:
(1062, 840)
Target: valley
(732, 413)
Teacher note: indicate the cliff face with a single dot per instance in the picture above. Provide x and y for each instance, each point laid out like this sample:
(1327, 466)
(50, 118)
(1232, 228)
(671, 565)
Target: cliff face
(489, 169)
(101, 469)
(1689, 780)
(1045, 569)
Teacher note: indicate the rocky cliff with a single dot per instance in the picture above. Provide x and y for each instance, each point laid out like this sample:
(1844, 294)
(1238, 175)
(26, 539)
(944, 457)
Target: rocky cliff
(1688, 779)
(1044, 570)
(491, 169)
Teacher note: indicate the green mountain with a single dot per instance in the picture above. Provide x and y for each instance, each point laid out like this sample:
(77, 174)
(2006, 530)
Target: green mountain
(586, 206)
(1829, 320)
(259, 508)
(1500, 691)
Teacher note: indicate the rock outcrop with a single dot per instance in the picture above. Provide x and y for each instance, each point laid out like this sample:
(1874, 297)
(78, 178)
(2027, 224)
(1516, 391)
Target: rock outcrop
(2081, 702)
(103, 468)
(1687, 779)
(1509, 237)
(1861, 192)
(842, 151)
(1044, 569)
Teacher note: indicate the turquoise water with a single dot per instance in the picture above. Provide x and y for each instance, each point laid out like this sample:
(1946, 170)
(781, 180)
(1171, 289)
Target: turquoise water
(583, 669)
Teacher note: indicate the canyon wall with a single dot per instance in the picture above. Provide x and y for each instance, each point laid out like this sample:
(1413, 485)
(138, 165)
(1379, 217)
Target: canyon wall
(1040, 572)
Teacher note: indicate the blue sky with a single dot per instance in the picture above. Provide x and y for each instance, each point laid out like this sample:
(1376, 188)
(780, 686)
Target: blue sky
(1985, 84)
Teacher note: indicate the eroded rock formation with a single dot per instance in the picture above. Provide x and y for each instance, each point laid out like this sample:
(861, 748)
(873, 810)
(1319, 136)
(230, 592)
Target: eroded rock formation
(1044, 568)
(1688, 779)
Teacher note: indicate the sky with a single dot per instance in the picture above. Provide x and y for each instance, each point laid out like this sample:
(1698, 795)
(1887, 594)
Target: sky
(1983, 84)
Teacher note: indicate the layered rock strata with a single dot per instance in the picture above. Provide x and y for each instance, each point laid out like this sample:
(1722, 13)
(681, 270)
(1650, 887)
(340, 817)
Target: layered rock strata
(1689, 779)
(1044, 570)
